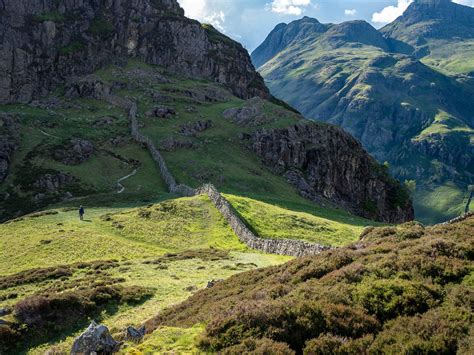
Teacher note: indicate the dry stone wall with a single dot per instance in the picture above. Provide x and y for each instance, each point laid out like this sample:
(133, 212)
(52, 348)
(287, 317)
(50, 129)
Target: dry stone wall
(289, 247)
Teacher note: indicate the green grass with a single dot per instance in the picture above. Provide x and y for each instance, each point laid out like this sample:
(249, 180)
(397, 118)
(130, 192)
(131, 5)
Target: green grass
(444, 123)
(273, 222)
(135, 239)
(439, 203)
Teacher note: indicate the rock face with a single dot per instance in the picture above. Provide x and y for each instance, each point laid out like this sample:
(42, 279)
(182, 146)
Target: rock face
(44, 43)
(322, 160)
(76, 152)
(9, 139)
(50, 183)
(95, 340)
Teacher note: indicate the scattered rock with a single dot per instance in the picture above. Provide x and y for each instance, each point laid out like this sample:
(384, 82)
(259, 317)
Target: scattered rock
(191, 288)
(9, 141)
(95, 340)
(212, 283)
(161, 112)
(193, 128)
(78, 151)
(53, 182)
(104, 122)
(135, 335)
(250, 115)
(88, 87)
(4, 311)
(171, 144)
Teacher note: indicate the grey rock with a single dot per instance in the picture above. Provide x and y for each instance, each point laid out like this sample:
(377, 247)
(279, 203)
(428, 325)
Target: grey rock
(50, 183)
(75, 153)
(37, 54)
(161, 112)
(323, 161)
(95, 340)
(193, 128)
(135, 335)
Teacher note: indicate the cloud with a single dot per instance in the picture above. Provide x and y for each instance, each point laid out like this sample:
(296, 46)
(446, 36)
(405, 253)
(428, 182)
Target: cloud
(390, 13)
(465, 2)
(350, 12)
(204, 11)
(288, 7)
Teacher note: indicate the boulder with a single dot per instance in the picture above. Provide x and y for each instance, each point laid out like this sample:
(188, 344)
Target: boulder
(53, 182)
(135, 335)
(213, 282)
(75, 153)
(161, 112)
(96, 339)
(193, 128)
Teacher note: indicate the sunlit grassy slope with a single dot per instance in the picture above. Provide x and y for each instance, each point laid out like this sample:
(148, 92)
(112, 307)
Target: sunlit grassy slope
(190, 228)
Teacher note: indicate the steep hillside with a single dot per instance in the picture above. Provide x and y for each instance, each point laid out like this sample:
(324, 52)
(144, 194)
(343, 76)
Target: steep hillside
(46, 43)
(404, 112)
(405, 289)
(440, 32)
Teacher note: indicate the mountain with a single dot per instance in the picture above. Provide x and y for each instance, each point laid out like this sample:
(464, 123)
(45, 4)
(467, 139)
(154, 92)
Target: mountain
(65, 133)
(440, 32)
(404, 111)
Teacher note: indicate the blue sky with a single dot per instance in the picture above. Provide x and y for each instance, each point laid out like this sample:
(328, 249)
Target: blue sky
(250, 21)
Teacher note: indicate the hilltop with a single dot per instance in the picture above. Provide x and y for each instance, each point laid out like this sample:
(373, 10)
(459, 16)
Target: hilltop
(395, 90)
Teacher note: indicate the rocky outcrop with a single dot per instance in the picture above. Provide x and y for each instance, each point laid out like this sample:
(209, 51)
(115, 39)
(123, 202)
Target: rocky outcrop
(9, 140)
(51, 183)
(44, 43)
(322, 160)
(161, 112)
(76, 152)
(95, 340)
(89, 87)
(252, 114)
(193, 128)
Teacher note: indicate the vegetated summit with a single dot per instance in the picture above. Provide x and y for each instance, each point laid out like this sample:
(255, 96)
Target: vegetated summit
(63, 136)
(404, 91)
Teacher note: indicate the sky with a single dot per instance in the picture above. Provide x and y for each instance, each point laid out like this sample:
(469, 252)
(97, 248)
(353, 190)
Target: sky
(250, 21)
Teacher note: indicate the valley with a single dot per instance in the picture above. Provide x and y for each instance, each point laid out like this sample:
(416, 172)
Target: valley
(404, 91)
(218, 219)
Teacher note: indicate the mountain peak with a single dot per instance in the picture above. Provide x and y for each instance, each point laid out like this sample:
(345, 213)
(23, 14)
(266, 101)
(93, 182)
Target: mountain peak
(285, 34)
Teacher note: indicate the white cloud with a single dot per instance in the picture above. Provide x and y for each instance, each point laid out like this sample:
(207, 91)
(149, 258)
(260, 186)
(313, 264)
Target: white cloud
(288, 7)
(204, 11)
(465, 2)
(390, 13)
(350, 12)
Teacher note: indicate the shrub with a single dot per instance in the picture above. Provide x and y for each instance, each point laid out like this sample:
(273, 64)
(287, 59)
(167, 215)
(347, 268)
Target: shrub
(326, 344)
(388, 299)
(262, 346)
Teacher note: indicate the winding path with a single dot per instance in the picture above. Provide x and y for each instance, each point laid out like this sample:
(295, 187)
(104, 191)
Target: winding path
(121, 188)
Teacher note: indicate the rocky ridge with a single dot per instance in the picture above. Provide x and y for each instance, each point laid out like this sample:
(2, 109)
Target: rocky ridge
(45, 43)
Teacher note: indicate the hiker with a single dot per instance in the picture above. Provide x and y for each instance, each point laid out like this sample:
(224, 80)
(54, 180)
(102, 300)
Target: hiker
(81, 213)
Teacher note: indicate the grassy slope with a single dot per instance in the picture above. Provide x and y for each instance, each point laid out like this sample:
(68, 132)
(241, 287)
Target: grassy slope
(173, 226)
(404, 289)
(320, 66)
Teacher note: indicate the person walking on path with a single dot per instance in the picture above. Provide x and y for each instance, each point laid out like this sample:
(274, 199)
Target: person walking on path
(81, 213)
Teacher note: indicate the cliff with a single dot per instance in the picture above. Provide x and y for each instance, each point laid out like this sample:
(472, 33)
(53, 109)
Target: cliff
(44, 43)
(324, 161)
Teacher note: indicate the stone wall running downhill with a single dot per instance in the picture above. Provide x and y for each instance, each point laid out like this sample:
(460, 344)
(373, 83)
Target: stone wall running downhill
(289, 247)
(273, 246)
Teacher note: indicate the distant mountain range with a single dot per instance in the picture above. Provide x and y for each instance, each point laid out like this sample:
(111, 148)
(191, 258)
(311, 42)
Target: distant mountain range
(405, 91)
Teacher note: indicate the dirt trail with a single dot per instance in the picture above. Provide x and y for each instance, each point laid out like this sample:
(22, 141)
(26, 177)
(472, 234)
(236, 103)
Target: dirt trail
(121, 188)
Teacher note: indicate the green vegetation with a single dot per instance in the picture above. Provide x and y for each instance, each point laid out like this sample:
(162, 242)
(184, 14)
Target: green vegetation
(53, 16)
(101, 27)
(404, 289)
(146, 258)
(274, 222)
(72, 48)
